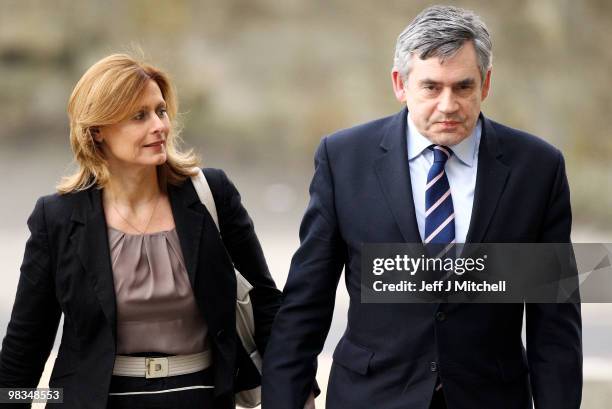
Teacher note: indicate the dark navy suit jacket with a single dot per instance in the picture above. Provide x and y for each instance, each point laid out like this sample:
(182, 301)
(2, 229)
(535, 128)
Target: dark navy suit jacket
(391, 354)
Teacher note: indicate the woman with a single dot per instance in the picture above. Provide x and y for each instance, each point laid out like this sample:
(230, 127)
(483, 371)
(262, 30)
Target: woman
(131, 257)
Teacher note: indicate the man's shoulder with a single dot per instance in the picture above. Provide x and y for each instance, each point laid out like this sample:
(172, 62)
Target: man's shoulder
(364, 135)
(518, 142)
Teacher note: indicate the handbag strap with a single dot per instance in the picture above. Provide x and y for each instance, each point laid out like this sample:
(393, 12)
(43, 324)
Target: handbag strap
(205, 194)
(245, 323)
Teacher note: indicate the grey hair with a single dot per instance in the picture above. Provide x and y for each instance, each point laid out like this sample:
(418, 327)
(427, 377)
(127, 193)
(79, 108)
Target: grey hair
(440, 31)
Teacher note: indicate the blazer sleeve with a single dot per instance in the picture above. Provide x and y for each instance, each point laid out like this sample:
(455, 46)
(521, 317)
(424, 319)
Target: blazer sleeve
(554, 331)
(242, 244)
(305, 316)
(36, 312)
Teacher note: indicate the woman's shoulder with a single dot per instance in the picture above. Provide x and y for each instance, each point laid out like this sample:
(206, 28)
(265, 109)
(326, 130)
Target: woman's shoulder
(219, 182)
(215, 175)
(58, 207)
(222, 188)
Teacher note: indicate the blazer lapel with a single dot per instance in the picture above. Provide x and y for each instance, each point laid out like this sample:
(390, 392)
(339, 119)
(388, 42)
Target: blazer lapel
(189, 224)
(490, 183)
(394, 177)
(91, 241)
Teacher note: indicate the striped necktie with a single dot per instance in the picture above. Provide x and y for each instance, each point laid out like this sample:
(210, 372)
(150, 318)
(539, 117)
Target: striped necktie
(439, 211)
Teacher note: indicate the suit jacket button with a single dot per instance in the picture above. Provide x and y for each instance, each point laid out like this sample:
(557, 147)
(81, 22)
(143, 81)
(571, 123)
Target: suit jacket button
(441, 316)
(433, 366)
(220, 334)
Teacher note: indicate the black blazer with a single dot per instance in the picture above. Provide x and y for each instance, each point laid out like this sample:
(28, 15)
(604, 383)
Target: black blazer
(391, 354)
(67, 269)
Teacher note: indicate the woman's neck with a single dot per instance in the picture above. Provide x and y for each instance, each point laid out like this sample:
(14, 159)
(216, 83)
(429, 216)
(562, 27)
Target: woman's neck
(133, 187)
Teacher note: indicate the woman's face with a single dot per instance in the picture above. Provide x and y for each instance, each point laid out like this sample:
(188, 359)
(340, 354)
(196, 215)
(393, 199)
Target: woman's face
(139, 140)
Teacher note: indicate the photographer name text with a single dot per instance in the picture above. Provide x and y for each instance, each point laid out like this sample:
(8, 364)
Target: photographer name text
(439, 286)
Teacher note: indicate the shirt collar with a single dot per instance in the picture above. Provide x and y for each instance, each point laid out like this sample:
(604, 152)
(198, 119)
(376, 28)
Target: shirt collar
(465, 150)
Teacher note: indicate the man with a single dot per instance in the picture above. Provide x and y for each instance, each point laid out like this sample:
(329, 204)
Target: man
(376, 183)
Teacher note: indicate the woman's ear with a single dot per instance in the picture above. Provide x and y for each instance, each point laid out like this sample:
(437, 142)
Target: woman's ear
(95, 133)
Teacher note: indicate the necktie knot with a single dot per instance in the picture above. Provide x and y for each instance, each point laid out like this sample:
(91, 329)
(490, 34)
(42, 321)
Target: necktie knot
(441, 153)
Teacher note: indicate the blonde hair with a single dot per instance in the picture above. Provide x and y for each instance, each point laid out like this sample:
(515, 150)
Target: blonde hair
(106, 94)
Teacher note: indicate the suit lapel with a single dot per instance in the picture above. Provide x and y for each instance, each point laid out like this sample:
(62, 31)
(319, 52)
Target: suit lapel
(394, 177)
(189, 224)
(91, 241)
(490, 183)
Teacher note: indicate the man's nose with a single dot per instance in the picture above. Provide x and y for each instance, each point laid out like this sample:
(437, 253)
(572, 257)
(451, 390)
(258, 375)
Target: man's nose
(448, 102)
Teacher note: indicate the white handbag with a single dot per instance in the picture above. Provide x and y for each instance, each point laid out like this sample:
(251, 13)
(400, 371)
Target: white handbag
(245, 322)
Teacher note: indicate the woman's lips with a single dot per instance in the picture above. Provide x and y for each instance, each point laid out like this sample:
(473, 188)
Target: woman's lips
(154, 144)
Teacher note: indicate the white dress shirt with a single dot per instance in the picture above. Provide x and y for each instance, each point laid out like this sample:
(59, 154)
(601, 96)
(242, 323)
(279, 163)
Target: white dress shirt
(460, 169)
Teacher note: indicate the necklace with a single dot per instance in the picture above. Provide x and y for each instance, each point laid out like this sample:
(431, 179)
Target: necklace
(130, 224)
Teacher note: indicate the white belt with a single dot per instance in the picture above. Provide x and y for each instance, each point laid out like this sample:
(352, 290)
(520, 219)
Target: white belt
(139, 366)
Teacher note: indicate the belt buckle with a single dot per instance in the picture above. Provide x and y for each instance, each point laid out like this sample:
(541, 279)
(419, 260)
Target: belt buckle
(156, 367)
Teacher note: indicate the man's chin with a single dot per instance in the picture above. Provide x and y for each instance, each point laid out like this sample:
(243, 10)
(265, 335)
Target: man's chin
(447, 138)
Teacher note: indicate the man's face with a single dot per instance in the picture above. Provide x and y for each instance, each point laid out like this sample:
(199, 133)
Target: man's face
(444, 98)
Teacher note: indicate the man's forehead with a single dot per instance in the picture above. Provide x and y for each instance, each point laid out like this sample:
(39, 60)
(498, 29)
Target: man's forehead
(458, 67)
(467, 81)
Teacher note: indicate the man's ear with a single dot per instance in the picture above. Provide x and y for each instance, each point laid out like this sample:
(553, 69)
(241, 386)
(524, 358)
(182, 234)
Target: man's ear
(398, 85)
(486, 85)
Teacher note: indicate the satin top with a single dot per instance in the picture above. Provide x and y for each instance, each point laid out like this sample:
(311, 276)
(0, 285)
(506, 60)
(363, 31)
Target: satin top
(156, 308)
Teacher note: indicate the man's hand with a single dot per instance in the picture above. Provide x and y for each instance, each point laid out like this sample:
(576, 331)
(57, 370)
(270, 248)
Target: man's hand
(310, 402)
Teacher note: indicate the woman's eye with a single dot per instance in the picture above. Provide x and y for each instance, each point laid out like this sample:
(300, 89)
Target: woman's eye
(139, 116)
(162, 112)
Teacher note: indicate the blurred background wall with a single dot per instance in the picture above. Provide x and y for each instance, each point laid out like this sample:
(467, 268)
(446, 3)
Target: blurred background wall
(261, 81)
